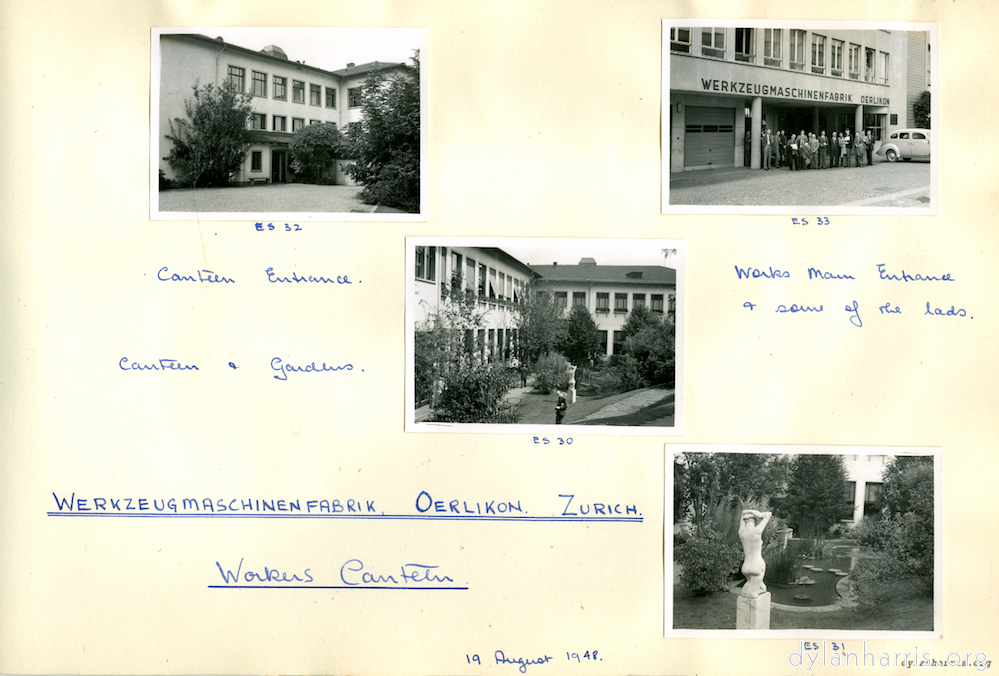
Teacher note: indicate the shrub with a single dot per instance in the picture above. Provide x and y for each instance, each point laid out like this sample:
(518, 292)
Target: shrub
(707, 564)
(385, 143)
(553, 373)
(814, 548)
(313, 151)
(869, 532)
(649, 356)
(782, 563)
(475, 393)
(213, 141)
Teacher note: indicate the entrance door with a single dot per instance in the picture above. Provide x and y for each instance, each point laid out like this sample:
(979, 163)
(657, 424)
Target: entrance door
(279, 161)
(709, 139)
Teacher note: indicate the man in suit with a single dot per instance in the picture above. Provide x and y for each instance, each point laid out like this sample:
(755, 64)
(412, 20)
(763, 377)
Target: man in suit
(560, 408)
(823, 151)
(834, 151)
(870, 148)
(767, 144)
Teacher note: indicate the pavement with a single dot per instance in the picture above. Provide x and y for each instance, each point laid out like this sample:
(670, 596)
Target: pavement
(270, 198)
(535, 408)
(882, 184)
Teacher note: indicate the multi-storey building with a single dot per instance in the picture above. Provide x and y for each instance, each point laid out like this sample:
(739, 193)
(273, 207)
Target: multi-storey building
(498, 280)
(725, 83)
(287, 96)
(610, 292)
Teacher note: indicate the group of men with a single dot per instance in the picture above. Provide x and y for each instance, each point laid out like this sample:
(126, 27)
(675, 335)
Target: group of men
(803, 151)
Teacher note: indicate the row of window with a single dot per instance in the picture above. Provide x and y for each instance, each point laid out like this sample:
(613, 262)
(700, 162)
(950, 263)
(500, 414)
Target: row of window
(826, 55)
(279, 122)
(489, 283)
(620, 301)
(258, 87)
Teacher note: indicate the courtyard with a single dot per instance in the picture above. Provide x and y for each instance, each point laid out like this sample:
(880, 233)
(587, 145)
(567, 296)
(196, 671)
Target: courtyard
(270, 198)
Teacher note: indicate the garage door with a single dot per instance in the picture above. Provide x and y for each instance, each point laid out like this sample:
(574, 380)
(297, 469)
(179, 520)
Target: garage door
(710, 137)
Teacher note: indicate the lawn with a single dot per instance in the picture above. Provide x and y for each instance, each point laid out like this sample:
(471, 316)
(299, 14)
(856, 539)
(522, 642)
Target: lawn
(904, 612)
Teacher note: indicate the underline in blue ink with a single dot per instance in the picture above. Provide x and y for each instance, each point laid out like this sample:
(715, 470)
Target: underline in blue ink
(279, 586)
(376, 517)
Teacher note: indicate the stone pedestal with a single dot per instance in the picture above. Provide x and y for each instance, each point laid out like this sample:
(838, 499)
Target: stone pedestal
(572, 395)
(753, 613)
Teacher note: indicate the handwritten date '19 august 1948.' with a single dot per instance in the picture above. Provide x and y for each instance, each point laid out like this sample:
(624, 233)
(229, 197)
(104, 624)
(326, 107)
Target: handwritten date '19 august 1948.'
(852, 308)
(522, 663)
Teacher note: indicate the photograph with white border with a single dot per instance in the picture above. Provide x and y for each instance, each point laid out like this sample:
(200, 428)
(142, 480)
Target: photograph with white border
(517, 334)
(803, 541)
(749, 109)
(288, 124)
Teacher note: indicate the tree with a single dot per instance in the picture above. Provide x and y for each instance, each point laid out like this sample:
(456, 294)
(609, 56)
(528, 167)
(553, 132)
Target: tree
(448, 369)
(314, 150)
(702, 481)
(581, 342)
(903, 536)
(213, 142)
(921, 110)
(816, 493)
(540, 321)
(639, 318)
(649, 355)
(385, 144)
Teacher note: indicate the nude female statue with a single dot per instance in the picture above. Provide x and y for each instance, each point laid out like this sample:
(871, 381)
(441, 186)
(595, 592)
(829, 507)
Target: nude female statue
(753, 567)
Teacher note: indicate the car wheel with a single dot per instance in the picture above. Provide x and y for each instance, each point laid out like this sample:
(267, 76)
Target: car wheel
(891, 155)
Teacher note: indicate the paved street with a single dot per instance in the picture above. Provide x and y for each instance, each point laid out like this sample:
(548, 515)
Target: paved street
(883, 184)
(272, 198)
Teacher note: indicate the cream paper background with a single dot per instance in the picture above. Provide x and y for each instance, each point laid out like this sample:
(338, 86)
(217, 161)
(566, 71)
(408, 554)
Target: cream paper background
(543, 120)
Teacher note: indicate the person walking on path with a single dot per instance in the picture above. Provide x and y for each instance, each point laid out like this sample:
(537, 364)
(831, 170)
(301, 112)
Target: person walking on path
(560, 407)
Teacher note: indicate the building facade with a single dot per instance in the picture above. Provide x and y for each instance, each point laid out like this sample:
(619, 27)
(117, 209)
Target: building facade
(287, 96)
(610, 292)
(727, 83)
(864, 474)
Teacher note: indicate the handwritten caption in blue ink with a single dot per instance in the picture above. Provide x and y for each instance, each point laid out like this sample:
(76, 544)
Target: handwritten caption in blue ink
(522, 663)
(353, 574)
(424, 507)
(852, 307)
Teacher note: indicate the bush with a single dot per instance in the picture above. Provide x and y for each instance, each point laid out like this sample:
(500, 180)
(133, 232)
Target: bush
(553, 373)
(649, 357)
(313, 152)
(707, 564)
(814, 548)
(213, 141)
(475, 393)
(385, 143)
(869, 533)
(782, 563)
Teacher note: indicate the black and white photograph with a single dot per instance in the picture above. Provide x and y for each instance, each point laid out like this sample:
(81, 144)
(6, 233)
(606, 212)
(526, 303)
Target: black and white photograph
(777, 116)
(287, 123)
(507, 335)
(769, 541)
